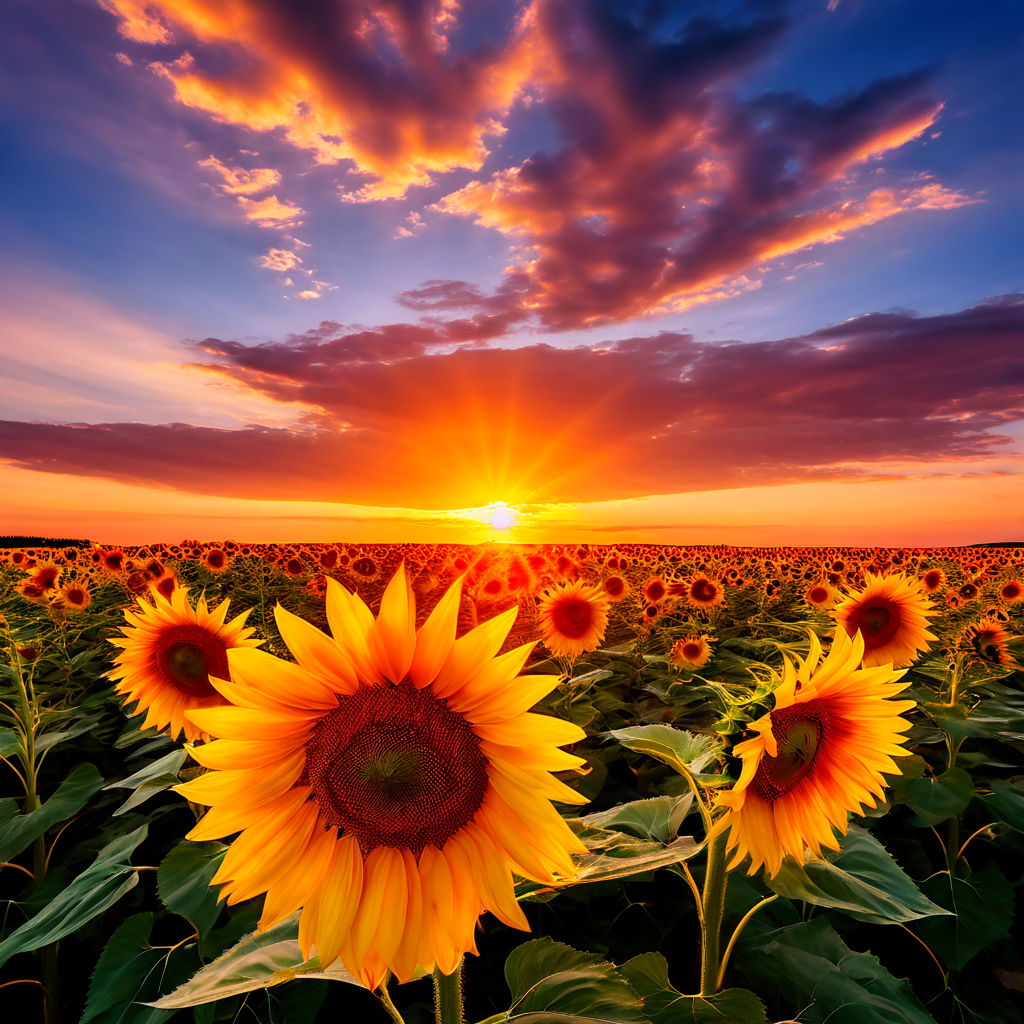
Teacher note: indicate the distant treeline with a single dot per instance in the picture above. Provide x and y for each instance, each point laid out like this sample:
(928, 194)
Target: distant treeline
(43, 542)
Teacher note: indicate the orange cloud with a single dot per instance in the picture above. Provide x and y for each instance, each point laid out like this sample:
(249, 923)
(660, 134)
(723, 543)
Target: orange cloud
(373, 84)
(240, 182)
(271, 212)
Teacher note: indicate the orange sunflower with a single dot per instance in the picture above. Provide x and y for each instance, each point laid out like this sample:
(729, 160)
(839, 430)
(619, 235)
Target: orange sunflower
(170, 651)
(891, 615)
(704, 592)
(390, 783)
(692, 651)
(990, 641)
(820, 754)
(573, 618)
(820, 596)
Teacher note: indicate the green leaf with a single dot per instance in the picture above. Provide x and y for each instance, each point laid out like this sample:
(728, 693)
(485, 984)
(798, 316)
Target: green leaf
(71, 796)
(183, 881)
(10, 742)
(1007, 802)
(551, 981)
(52, 737)
(655, 818)
(822, 978)
(613, 855)
(100, 886)
(148, 781)
(937, 799)
(664, 1004)
(124, 971)
(259, 961)
(685, 752)
(862, 880)
(983, 905)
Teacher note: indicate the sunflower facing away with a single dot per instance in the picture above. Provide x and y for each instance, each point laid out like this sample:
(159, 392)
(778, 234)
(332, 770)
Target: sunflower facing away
(817, 756)
(891, 615)
(573, 618)
(390, 783)
(169, 651)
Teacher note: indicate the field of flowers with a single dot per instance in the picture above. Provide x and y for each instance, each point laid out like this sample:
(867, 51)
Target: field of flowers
(632, 784)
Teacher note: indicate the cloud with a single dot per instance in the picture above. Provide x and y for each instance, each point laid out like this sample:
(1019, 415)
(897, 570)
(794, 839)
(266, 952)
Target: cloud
(271, 212)
(280, 260)
(379, 86)
(671, 187)
(390, 420)
(240, 182)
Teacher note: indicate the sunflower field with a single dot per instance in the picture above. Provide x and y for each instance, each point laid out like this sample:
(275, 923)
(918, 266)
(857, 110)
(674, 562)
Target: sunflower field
(443, 784)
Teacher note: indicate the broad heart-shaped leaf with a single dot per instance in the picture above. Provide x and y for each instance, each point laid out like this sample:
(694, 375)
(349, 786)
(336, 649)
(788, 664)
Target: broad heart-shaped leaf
(551, 981)
(823, 980)
(935, 800)
(1000, 716)
(183, 881)
(664, 1004)
(260, 960)
(657, 818)
(99, 886)
(71, 796)
(1007, 802)
(613, 854)
(124, 972)
(684, 751)
(983, 905)
(862, 880)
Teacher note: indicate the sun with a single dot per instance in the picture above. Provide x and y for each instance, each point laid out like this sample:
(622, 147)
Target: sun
(498, 515)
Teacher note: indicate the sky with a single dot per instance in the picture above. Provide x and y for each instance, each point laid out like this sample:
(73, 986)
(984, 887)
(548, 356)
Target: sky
(557, 270)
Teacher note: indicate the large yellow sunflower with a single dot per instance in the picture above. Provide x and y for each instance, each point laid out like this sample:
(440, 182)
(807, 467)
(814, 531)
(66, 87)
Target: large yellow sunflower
(818, 755)
(891, 615)
(169, 651)
(573, 618)
(389, 784)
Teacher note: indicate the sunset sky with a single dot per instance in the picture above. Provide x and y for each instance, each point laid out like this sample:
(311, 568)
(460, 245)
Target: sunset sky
(702, 272)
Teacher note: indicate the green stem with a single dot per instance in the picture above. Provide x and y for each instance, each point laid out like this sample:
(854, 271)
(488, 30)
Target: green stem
(384, 998)
(448, 996)
(736, 934)
(715, 880)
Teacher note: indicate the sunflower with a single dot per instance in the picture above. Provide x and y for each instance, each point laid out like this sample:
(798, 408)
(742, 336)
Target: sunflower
(616, 587)
(933, 580)
(820, 596)
(573, 617)
(891, 614)
(990, 641)
(75, 596)
(1011, 591)
(389, 784)
(820, 754)
(170, 651)
(692, 651)
(703, 592)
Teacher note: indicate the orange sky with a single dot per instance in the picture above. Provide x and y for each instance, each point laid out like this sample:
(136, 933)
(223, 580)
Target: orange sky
(928, 511)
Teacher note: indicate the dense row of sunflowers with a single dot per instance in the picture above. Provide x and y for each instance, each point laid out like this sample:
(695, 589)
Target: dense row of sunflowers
(388, 777)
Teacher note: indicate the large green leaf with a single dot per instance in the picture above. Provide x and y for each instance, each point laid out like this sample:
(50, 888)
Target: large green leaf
(686, 752)
(79, 727)
(657, 818)
(124, 974)
(183, 882)
(258, 961)
(100, 886)
(664, 1004)
(983, 905)
(1007, 802)
(551, 982)
(935, 800)
(71, 796)
(862, 880)
(823, 979)
(614, 854)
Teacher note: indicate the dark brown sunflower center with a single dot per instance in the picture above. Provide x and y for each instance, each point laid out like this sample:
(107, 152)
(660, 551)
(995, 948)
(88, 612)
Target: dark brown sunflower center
(799, 732)
(394, 766)
(818, 594)
(691, 651)
(878, 620)
(188, 655)
(703, 590)
(572, 617)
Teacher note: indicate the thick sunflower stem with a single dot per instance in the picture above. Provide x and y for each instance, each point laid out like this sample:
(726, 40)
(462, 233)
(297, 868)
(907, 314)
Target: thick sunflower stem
(448, 996)
(715, 880)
